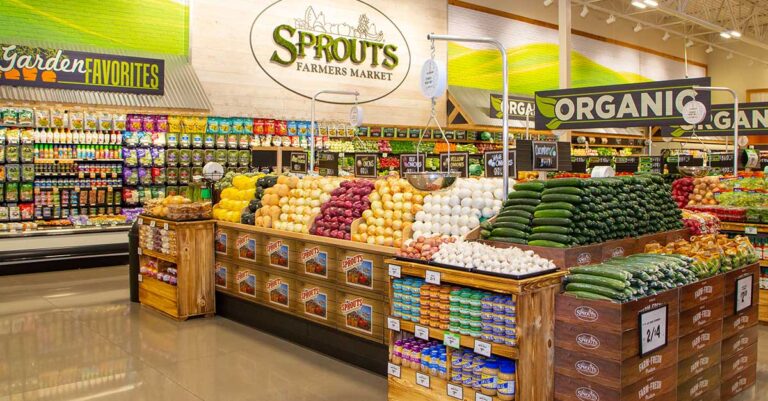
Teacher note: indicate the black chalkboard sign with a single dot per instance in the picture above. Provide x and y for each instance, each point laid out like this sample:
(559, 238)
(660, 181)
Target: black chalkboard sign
(524, 155)
(328, 163)
(411, 163)
(595, 161)
(366, 165)
(375, 132)
(459, 163)
(264, 158)
(401, 132)
(298, 162)
(427, 133)
(650, 164)
(414, 133)
(461, 135)
(450, 135)
(494, 164)
(544, 155)
(763, 159)
(363, 131)
(626, 164)
(579, 164)
(388, 132)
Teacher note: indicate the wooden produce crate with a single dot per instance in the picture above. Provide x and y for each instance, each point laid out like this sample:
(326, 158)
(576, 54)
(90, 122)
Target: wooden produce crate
(739, 362)
(660, 385)
(316, 301)
(194, 293)
(278, 252)
(224, 242)
(360, 314)
(317, 261)
(738, 383)
(224, 272)
(279, 291)
(703, 386)
(763, 306)
(361, 270)
(246, 247)
(739, 342)
(699, 340)
(698, 363)
(246, 283)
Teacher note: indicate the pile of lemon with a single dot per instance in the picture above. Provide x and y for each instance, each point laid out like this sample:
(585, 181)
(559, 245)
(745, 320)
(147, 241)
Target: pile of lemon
(236, 198)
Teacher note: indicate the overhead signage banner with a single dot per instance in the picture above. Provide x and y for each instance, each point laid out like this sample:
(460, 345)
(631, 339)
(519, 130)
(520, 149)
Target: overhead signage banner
(519, 107)
(67, 69)
(615, 106)
(753, 120)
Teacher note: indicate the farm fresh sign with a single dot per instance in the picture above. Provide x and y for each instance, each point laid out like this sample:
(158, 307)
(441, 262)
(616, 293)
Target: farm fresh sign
(67, 69)
(309, 46)
(753, 120)
(633, 105)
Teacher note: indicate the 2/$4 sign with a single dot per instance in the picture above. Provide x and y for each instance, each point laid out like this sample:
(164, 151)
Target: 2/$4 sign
(632, 105)
(753, 120)
(306, 46)
(67, 69)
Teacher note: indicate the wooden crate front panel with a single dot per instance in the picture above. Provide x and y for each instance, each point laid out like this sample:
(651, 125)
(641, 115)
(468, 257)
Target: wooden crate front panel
(613, 374)
(695, 294)
(316, 261)
(159, 288)
(738, 383)
(360, 315)
(699, 385)
(698, 363)
(658, 386)
(278, 252)
(736, 323)
(677, 235)
(361, 270)
(701, 315)
(619, 248)
(224, 272)
(224, 241)
(763, 306)
(196, 263)
(738, 342)
(700, 340)
(247, 282)
(739, 362)
(246, 248)
(279, 291)
(316, 301)
(730, 287)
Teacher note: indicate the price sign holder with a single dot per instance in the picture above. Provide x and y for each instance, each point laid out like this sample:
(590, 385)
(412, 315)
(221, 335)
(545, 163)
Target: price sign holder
(750, 230)
(455, 391)
(482, 397)
(394, 271)
(432, 277)
(452, 340)
(421, 332)
(393, 370)
(422, 379)
(653, 329)
(743, 294)
(482, 348)
(393, 323)
(366, 165)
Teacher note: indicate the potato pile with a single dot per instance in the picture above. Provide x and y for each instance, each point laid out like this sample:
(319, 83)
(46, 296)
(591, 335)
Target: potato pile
(704, 190)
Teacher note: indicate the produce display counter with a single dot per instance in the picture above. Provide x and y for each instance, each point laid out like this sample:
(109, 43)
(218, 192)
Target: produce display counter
(696, 342)
(533, 352)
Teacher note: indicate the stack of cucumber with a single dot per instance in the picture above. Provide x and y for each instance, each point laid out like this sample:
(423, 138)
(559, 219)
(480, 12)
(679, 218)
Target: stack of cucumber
(574, 211)
(628, 278)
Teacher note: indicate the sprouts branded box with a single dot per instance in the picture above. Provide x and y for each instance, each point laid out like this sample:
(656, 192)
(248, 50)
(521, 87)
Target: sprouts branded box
(316, 261)
(316, 301)
(361, 315)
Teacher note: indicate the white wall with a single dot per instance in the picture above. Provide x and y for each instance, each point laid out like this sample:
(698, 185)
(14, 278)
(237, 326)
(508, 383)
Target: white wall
(736, 74)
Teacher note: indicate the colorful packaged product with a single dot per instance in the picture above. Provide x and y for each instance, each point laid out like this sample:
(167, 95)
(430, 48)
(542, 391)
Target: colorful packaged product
(248, 125)
(27, 172)
(197, 140)
(237, 125)
(130, 157)
(119, 122)
(26, 192)
(233, 158)
(148, 123)
(213, 125)
(225, 125)
(25, 117)
(209, 140)
(42, 118)
(158, 157)
(145, 138)
(12, 153)
(185, 140)
(172, 157)
(59, 119)
(144, 156)
(221, 156)
(161, 123)
(27, 153)
(185, 157)
(130, 176)
(245, 158)
(172, 175)
(145, 176)
(105, 122)
(174, 124)
(209, 156)
(184, 173)
(11, 192)
(77, 120)
(158, 176)
(8, 116)
(198, 155)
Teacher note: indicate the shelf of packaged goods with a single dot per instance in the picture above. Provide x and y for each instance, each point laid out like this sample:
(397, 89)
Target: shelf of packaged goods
(466, 341)
(407, 388)
(592, 145)
(78, 144)
(743, 227)
(69, 161)
(158, 255)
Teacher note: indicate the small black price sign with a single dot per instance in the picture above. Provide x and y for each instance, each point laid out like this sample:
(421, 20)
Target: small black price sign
(363, 131)
(743, 293)
(653, 329)
(427, 133)
(328, 163)
(494, 164)
(437, 134)
(461, 135)
(544, 155)
(388, 132)
(599, 161)
(459, 163)
(450, 135)
(402, 132)
(366, 165)
(298, 162)
(626, 164)
(411, 163)
(579, 164)
(375, 132)
(414, 133)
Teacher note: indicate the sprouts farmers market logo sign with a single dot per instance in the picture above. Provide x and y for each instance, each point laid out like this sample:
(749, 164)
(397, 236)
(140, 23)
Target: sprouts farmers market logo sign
(67, 69)
(632, 105)
(308, 46)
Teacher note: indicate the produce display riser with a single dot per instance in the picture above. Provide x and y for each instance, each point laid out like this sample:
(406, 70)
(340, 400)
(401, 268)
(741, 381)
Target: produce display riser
(595, 253)
(193, 295)
(535, 333)
(754, 231)
(334, 283)
(709, 350)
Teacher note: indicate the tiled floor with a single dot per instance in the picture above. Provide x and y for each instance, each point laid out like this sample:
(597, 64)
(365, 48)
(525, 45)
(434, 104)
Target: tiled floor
(74, 336)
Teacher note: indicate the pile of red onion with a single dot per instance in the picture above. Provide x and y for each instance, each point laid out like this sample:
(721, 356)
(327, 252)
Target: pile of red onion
(347, 203)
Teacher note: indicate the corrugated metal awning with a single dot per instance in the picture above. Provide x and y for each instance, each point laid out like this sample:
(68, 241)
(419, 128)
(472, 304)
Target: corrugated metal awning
(183, 91)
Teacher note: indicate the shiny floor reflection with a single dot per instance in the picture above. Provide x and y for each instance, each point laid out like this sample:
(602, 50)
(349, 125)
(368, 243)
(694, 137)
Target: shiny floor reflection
(74, 336)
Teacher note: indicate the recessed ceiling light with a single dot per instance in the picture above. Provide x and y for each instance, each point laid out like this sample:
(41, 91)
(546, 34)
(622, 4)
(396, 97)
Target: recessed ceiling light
(548, 3)
(725, 35)
(666, 36)
(638, 27)
(735, 34)
(652, 3)
(729, 56)
(611, 19)
(709, 49)
(639, 4)
(584, 11)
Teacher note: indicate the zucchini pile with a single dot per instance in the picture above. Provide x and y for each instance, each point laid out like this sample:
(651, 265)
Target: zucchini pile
(574, 211)
(628, 278)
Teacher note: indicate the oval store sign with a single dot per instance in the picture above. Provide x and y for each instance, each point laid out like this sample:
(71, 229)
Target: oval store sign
(307, 46)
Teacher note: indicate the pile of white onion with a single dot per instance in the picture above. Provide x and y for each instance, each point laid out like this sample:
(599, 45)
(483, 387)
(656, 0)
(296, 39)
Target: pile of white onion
(487, 258)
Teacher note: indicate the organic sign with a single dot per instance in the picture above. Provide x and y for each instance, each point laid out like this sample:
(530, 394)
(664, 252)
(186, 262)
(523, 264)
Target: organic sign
(298, 162)
(305, 46)
(411, 163)
(753, 120)
(366, 165)
(328, 164)
(459, 163)
(67, 69)
(494, 164)
(519, 107)
(544, 155)
(632, 105)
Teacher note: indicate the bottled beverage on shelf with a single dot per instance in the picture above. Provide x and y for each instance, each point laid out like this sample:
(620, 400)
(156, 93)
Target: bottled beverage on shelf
(76, 137)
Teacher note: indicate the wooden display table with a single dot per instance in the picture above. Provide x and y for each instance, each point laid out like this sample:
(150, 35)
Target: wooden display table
(186, 247)
(535, 335)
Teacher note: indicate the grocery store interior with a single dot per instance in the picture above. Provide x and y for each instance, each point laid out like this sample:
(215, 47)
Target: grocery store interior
(432, 200)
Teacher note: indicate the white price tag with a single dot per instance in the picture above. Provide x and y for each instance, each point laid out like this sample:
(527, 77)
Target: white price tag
(452, 340)
(421, 332)
(165, 226)
(750, 230)
(455, 391)
(141, 221)
(393, 370)
(394, 271)
(743, 293)
(422, 379)
(152, 223)
(482, 348)
(482, 397)
(432, 277)
(653, 329)
(141, 278)
(139, 251)
(393, 324)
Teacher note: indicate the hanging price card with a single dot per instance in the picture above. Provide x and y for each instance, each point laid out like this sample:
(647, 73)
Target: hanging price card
(750, 230)
(393, 370)
(653, 329)
(393, 324)
(421, 332)
(422, 379)
(432, 277)
(743, 293)
(394, 271)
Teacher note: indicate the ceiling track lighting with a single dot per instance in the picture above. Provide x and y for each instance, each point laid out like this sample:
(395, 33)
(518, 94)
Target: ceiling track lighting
(735, 34)
(688, 43)
(651, 3)
(584, 11)
(639, 4)
(666, 36)
(638, 27)
(725, 35)
(611, 19)
(709, 49)
(548, 3)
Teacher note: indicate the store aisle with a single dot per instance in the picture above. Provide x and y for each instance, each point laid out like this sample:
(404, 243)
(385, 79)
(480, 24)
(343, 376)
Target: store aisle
(74, 336)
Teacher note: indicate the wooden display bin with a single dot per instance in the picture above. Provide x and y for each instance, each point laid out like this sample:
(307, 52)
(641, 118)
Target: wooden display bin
(194, 293)
(316, 301)
(279, 291)
(246, 247)
(316, 261)
(360, 315)
(361, 270)
(278, 252)
(534, 354)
